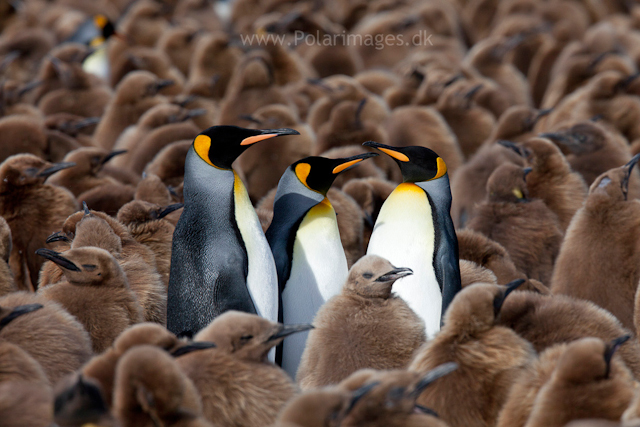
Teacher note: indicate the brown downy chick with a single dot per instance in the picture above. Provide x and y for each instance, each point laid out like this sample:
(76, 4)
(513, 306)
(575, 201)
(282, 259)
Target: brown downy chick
(33, 209)
(179, 43)
(265, 163)
(22, 134)
(251, 86)
(471, 273)
(517, 124)
(546, 320)
(151, 390)
(551, 178)
(108, 198)
(137, 260)
(606, 224)
(7, 284)
(13, 99)
(591, 150)
(589, 381)
(135, 94)
(346, 126)
(526, 227)
(471, 123)
(62, 345)
(469, 184)
(25, 393)
(488, 58)
(392, 399)
(147, 224)
(84, 176)
(79, 401)
(147, 59)
(96, 291)
(481, 250)
(101, 368)
(151, 189)
(169, 163)
(377, 81)
(489, 357)
(22, 51)
(80, 93)
(237, 383)
(366, 326)
(212, 65)
(321, 407)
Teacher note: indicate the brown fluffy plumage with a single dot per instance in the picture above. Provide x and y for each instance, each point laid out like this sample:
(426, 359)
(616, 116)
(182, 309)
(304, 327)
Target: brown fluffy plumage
(366, 326)
(489, 356)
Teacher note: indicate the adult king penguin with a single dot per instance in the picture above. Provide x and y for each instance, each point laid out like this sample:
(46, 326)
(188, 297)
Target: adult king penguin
(220, 257)
(306, 246)
(414, 229)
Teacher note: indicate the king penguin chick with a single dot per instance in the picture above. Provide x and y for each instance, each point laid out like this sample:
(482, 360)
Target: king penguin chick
(148, 225)
(79, 401)
(587, 382)
(607, 223)
(415, 225)
(551, 178)
(62, 345)
(306, 246)
(546, 320)
(96, 292)
(526, 228)
(33, 210)
(238, 385)
(151, 390)
(134, 95)
(220, 258)
(7, 284)
(489, 358)
(365, 326)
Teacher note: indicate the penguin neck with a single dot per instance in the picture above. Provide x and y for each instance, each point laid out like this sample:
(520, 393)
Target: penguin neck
(439, 190)
(202, 181)
(289, 183)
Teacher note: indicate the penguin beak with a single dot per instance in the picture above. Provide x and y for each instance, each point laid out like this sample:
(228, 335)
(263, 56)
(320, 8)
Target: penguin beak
(350, 161)
(58, 236)
(359, 394)
(557, 137)
(544, 112)
(512, 146)
(611, 349)
(55, 257)
(28, 87)
(111, 155)
(388, 150)
(424, 410)
(17, 312)
(171, 208)
(161, 84)
(395, 274)
(499, 299)
(286, 330)
(471, 93)
(623, 85)
(55, 168)
(194, 346)
(86, 122)
(196, 112)
(437, 372)
(624, 184)
(268, 133)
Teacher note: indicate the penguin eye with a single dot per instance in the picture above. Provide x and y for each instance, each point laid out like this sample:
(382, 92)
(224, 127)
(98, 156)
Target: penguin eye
(367, 275)
(89, 267)
(30, 172)
(245, 338)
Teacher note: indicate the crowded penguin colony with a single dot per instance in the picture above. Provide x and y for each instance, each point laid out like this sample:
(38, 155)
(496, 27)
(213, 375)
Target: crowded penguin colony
(319, 213)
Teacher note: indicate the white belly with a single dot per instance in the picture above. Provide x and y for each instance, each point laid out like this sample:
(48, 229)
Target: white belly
(318, 272)
(404, 235)
(262, 279)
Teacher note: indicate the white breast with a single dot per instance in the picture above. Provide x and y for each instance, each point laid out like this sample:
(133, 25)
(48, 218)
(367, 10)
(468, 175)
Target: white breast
(262, 280)
(404, 235)
(318, 272)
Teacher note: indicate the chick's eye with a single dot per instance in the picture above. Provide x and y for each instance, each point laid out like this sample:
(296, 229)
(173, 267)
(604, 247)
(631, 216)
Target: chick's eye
(367, 275)
(246, 338)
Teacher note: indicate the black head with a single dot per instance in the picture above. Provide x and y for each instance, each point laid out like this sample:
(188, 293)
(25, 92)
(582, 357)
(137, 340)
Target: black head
(318, 173)
(417, 164)
(220, 146)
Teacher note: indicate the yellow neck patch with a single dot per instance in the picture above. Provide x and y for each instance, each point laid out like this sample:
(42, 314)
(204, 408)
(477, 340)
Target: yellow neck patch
(302, 171)
(442, 168)
(202, 144)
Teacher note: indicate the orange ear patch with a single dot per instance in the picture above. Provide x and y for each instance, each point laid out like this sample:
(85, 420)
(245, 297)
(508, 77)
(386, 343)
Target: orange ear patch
(201, 145)
(302, 172)
(442, 168)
